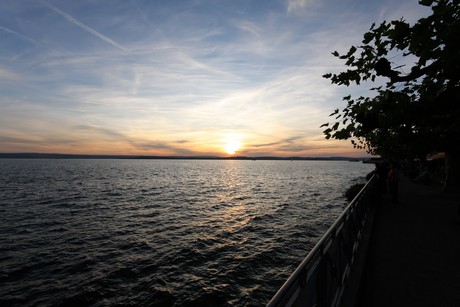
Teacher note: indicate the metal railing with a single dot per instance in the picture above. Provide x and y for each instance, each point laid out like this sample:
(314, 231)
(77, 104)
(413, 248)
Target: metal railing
(319, 280)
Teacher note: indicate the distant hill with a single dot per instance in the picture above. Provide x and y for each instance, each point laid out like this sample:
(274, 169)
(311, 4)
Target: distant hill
(74, 156)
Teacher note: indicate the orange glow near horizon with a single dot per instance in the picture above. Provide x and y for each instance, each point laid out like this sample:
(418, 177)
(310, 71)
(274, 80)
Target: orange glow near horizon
(211, 143)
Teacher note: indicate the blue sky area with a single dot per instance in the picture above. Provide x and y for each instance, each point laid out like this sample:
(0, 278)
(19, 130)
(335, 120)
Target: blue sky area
(179, 77)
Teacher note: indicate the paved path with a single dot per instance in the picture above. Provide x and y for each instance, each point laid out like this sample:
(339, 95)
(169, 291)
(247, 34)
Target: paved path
(414, 252)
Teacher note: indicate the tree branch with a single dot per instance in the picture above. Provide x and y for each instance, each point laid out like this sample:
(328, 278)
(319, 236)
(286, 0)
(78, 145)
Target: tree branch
(383, 68)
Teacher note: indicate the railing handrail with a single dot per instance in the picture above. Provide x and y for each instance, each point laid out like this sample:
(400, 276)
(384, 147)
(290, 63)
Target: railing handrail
(310, 263)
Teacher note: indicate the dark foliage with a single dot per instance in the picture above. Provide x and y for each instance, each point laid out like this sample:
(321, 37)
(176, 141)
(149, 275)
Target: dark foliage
(352, 191)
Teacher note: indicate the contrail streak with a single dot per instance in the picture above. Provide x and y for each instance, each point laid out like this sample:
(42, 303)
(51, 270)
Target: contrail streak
(18, 34)
(84, 27)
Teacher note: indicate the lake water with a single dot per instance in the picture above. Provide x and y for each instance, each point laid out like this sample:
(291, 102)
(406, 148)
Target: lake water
(161, 232)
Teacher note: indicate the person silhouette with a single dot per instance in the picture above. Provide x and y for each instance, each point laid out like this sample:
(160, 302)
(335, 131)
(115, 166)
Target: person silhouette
(393, 180)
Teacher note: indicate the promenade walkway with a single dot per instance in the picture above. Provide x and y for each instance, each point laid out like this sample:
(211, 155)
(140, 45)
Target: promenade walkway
(413, 257)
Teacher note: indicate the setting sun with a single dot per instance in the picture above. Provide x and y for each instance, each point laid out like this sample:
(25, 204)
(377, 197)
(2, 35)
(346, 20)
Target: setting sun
(231, 146)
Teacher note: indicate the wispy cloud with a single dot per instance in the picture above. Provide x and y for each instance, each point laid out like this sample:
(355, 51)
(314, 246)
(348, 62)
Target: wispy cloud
(287, 141)
(296, 5)
(249, 27)
(6, 74)
(84, 26)
(137, 143)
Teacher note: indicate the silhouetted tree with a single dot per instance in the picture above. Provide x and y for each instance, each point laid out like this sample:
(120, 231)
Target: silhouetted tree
(415, 113)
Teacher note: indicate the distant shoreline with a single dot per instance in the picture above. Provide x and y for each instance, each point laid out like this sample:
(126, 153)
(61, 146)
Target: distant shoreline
(78, 156)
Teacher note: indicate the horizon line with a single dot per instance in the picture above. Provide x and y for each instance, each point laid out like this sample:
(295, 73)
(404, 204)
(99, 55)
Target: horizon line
(130, 156)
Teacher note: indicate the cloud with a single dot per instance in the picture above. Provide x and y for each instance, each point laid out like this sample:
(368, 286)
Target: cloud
(84, 27)
(288, 141)
(5, 74)
(137, 143)
(296, 5)
(17, 140)
(249, 27)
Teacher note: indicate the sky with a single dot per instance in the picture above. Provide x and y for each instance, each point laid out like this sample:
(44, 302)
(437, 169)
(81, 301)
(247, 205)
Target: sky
(189, 77)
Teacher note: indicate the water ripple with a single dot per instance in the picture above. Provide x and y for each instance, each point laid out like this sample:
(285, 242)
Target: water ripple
(160, 233)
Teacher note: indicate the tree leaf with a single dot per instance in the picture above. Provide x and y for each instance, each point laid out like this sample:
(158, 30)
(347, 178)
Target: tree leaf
(351, 51)
(426, 2)
(336, 126)
(368, 37)
(335, 112)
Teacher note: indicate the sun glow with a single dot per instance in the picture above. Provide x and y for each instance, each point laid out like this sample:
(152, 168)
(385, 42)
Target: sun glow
(231, 145)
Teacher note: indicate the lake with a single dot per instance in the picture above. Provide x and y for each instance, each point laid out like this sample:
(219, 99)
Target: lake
(161, 232)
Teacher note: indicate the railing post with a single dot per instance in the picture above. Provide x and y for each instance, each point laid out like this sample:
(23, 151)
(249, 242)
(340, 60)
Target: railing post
(321, 294)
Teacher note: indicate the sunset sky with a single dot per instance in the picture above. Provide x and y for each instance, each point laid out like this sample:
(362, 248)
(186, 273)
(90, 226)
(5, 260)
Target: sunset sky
(196, 77)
